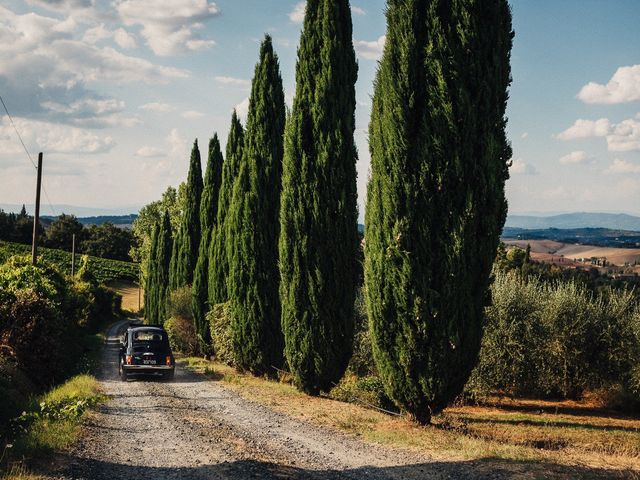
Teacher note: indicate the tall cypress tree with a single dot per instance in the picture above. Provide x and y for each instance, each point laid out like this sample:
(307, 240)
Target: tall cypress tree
(151, 281)
(162, 257)
(435, 202)
(208, 213)
(253, 224)
(218, 258)
(319, 237)
(187, 242)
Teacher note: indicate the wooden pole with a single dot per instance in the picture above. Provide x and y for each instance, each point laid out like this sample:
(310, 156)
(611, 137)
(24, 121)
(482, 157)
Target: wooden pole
(73, 254)
(36, 217)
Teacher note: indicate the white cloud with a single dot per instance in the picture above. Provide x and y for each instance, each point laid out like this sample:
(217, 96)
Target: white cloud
(149, 152)
(586, 128)
(370, 50)
(192, 115)
(574, 158)
(524, 135)
(621, 137)
(237, 82)
(520, 167)
(169, 29)
(623, 87)
(178, 145)
(51, 138)
(623, 167)
(297, 14)
(242, 109)
(47, 72)
(157, 107)
(124, 39)
(358, 11)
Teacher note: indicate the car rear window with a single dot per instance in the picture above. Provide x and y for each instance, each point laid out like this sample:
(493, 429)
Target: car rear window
(149, 336)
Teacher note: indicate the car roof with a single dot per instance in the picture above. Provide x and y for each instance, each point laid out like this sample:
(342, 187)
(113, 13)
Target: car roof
(146, 327)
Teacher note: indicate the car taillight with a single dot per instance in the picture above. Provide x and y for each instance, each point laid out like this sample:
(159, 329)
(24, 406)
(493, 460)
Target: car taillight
(128, 359)
(168, 360)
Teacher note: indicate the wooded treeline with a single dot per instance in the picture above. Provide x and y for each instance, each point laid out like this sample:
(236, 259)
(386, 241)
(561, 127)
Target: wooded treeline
(269, 238)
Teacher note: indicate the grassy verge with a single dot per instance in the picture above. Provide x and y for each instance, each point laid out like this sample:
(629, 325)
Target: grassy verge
(51, 424)
(507, 433)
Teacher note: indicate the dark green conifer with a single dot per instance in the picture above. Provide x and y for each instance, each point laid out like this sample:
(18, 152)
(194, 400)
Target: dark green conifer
(208, 212)
(161, 268)
(435, 202)
(187, 242)
(253, 224)
(151, 280)
(319, 236)
(218, 258)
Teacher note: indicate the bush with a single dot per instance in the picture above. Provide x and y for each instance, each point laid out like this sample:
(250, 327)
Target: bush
(557, 340)
(366, 391)
(361, 363)
(180, 304)
(182, 335)
(219, 318)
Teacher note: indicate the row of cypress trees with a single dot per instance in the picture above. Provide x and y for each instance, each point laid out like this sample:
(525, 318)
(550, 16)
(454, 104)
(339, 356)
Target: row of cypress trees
(273, 229)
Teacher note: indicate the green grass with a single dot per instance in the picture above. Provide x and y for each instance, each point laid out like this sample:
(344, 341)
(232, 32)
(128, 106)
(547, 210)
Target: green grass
(54, 421)
(103, 269)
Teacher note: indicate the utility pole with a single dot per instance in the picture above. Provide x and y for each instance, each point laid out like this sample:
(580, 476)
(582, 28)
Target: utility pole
(36, 217)
(73, 254)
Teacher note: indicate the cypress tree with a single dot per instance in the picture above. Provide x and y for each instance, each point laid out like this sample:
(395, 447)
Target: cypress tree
(253, 224)
(318, 219)
(185, 249)
(208, 212)
(162, 257)
(435, 201)
(151, 281)
(218, 258)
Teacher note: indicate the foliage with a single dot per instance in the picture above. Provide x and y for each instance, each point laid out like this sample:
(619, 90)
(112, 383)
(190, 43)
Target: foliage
(172, 201)
(219, 318)
(151, 284)
(179, 304)
(218, 257)
(435, 201)
(208, 216)
(557, 339)
(107, 241)
(253, 224)
(361, 363)
(104, 270)
(187, 240)
(18, 227)
(318, 218)
(41, 313)
(60, 232)
(367, 391)
(182, 335)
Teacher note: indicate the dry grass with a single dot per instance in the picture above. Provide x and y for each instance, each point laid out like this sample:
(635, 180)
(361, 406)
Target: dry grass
(131, 302)
(524, 431)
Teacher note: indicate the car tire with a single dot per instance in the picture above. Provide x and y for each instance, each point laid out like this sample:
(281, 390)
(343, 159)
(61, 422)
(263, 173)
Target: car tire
(169, 375)
(123, 373)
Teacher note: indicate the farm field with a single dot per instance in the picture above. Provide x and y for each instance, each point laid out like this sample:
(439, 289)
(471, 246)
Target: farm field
(549, 251)
(105, 270)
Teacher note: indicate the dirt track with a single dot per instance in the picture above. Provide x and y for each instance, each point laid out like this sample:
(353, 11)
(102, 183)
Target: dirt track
(197, 429)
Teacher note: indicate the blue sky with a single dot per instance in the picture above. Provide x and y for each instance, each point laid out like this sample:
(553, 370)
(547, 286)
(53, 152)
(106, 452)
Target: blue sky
(115, 92)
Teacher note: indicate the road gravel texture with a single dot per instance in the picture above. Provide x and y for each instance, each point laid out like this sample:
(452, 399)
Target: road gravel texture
(194, 428)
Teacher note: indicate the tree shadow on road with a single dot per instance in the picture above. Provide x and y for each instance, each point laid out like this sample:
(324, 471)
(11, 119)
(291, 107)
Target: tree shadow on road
(489, 468)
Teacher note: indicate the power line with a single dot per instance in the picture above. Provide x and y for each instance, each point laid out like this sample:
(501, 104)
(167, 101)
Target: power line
(17, 132)
(53, 211)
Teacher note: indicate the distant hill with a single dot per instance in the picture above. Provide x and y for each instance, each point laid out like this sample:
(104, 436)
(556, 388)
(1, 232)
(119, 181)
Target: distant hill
(602, 237)
(118, 220)
(614, 221)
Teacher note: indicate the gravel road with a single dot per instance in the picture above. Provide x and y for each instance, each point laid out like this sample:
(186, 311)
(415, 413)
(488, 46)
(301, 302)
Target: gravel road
(193, 428)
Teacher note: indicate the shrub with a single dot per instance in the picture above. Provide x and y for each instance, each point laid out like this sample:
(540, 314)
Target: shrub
(558, 340)
(367, 391)
(361, 363)
(219, 318)
(182, 335)
(180, 304)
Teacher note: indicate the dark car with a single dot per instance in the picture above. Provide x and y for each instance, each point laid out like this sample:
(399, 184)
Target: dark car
(146, 350)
